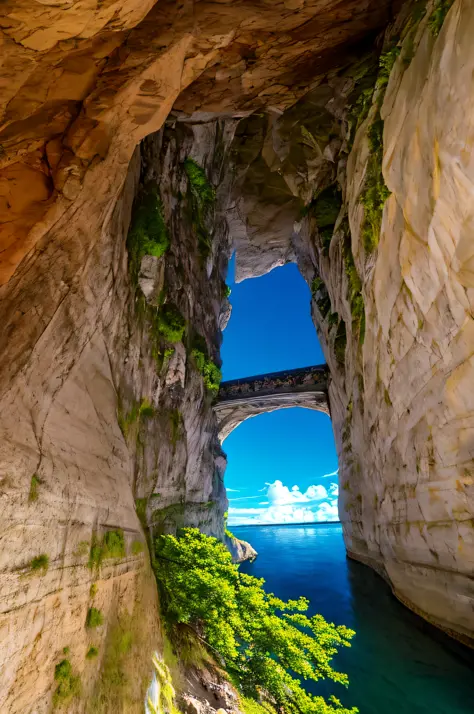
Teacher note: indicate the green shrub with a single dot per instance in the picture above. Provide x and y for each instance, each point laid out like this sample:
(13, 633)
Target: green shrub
(114, 544)
(33, 494)
(228, 291)
(66, 650)
(40, 563)
(148, 234)
(265, 643)
(93, 589)
(171, 324)
(94, 618)
(438, 16)
(250, 706)
(69, 685)
(92, 652)
(201, 198)
(211, 374)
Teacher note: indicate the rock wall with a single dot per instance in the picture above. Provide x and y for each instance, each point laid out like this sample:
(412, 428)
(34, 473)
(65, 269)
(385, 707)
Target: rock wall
(101, 418)
(392, 306)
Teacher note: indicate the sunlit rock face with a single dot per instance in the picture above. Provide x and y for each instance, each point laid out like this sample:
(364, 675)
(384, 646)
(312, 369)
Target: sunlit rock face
(82, 86)
(400, 395)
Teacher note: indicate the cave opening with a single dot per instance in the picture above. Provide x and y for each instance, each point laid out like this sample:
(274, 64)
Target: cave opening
(282, 467)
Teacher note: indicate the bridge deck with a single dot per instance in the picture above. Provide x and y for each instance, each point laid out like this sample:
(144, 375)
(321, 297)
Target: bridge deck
(305, 379)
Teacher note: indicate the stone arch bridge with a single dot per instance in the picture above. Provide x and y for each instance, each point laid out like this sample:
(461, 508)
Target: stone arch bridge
(243, 398)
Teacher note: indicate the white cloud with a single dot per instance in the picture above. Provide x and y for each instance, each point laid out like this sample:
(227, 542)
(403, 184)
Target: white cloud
(233, 490)
(285, 505)
(334, 473)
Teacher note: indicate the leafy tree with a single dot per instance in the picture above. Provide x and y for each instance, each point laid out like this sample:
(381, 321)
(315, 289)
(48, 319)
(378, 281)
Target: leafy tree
(264, 642)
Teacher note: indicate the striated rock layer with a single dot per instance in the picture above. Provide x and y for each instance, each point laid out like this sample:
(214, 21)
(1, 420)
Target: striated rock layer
(104, 424)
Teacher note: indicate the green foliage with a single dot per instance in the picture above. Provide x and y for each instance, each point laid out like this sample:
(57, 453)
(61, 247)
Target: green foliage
(33, 494)
(69, 685)
(324, 208)
(201, 198)
(317, 284)
(111, 546)
(170, 323)
(96, 553)
(114, 544)
(160, 695)
(137, 547)
(148, 234)
(438, 16)
(266, 643)
(140, 507)
(93, 589)
(40, 563)
(340, 342)
(146, 409)
(66, 650)
(250, 706)
(92, 652)
(228, 291)
(333, 319)
(355, 291)
(94, 618)
(386, 61)
(211, 374)
(375, 192)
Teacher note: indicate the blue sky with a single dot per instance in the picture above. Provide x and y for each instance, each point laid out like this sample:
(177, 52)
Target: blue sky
(282, 466)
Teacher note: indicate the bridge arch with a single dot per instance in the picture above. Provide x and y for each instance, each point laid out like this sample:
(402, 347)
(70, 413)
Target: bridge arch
(241, 399)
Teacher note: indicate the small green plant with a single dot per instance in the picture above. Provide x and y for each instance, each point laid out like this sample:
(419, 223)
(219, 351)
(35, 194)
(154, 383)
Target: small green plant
(93, 589)
(170, 323)
(66, 650)
(40, 564)
(375, 191)
(355, 289)
(211, 374)
(201, 198)
(69, 685)
(148, 234)
(250, 706)
(137, 547)
(114, 544)
(92, 652)
(267, 644)
(386, 62)
(316, 284)
(96, 553)
(33, 494)
(146, 409)
(94, 618)
(140, 507)
(438, 16)
(228, 291)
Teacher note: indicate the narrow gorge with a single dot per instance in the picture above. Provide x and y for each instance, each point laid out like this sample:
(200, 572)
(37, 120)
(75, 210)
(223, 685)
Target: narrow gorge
(141, 146)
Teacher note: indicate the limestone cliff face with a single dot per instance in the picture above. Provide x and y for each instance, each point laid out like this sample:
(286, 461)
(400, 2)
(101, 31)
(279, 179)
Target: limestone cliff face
(392, 305)
(106, 425)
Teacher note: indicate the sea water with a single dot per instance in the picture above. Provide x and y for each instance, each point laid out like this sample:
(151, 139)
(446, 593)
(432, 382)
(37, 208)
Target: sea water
(398, 664)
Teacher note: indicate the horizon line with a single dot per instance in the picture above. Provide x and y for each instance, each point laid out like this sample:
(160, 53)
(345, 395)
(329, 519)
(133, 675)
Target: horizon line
(303, 523)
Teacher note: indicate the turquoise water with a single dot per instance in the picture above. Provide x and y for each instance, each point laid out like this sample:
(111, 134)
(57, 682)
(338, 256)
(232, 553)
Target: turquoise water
(398, 664)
